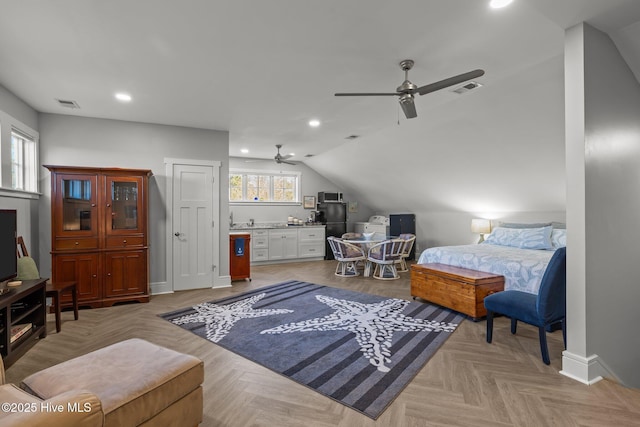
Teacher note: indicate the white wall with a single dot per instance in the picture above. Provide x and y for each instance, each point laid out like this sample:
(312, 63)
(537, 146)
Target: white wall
(496, 152)
(78, 141)
(604, 143)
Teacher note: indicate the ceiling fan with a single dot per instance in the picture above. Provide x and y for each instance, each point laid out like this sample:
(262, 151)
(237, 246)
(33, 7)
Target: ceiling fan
(407, 90)
(279, 158)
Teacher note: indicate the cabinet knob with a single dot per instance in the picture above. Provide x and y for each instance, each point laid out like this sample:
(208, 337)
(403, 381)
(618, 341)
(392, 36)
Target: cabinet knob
(108, 274)
(93, 205)
(108, 205)
(77, 243)
(94, 275)
(124, 242)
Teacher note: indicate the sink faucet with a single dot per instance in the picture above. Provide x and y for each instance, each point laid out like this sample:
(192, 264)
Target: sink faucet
(230, 219)
(251, 222)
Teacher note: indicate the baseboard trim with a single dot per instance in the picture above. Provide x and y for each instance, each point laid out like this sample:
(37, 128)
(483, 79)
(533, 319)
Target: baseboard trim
(222, 282)
(587, 370)
(158, 288)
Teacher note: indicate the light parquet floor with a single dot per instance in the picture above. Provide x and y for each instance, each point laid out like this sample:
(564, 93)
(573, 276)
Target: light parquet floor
(467, 382)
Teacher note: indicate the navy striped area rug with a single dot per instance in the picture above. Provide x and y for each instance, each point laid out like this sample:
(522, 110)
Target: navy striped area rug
(358, 349)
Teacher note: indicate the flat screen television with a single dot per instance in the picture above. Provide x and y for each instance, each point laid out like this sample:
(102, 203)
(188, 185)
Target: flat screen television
(8, 234)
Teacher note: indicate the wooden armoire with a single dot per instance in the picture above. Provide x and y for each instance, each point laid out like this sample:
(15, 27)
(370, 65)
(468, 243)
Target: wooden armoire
(99, 233)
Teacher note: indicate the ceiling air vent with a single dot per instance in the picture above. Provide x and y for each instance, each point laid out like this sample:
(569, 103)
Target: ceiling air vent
(466, 87)
(309, 155)
(67, 104)
(353, 137)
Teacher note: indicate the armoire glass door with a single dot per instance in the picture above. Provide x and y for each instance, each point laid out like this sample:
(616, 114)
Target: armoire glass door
(77, 205)
(124, 204)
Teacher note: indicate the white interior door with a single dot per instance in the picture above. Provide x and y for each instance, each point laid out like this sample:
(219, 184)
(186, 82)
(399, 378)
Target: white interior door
(193, 263)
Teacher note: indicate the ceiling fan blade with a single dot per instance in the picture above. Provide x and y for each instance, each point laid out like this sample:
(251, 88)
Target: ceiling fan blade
(423, 90)
(408, 106)
(368, 94)
(284, 161)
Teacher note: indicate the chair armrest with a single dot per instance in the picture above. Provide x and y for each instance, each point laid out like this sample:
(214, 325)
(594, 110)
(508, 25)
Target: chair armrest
(70, 409)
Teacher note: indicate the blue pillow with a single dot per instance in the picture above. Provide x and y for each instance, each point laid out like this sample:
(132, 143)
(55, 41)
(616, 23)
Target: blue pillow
(523, 238)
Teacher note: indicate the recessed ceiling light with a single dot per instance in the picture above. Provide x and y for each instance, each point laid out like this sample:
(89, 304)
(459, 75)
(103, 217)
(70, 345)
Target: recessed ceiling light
(124, 97)
(497, 4)
(314, 123)
(244, 150)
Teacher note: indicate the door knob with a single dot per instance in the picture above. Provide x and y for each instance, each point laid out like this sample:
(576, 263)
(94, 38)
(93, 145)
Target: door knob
(177, 234)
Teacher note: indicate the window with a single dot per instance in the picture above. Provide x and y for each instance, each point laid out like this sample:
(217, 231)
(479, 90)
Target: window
(24, 162)
(271, 187)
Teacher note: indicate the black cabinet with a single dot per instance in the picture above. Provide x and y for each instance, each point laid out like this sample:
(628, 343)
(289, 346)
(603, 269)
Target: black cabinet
(402, 224)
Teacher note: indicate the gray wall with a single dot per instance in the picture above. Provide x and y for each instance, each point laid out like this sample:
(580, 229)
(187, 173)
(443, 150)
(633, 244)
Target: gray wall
(78, 141)
(312, 183)
(612, 182)
(604, 212)
(13, 109)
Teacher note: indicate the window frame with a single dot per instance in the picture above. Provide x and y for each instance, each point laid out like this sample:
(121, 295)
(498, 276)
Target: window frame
(271, 174)
(27, 162)
(9, 125)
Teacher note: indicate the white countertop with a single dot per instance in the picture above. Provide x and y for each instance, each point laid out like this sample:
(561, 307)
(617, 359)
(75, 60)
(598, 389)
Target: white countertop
(247, 227)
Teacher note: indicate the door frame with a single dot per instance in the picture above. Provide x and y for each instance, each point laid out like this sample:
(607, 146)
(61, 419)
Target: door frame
(218, 281)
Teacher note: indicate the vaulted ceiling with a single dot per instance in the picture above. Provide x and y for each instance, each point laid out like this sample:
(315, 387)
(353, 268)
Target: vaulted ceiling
(263, 69)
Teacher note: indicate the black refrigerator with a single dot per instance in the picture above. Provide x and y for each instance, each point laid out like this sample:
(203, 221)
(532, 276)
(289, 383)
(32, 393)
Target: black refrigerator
(334, 216)
(402, 224)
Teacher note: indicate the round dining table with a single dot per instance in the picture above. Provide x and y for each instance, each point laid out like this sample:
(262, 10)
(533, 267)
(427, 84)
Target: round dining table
(366, 243)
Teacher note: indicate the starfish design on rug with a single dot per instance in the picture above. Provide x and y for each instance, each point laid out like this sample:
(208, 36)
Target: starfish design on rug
(373, 324)
(219, 319)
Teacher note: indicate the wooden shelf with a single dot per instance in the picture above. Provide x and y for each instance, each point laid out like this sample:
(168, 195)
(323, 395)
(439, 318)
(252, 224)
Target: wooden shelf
(32, 294)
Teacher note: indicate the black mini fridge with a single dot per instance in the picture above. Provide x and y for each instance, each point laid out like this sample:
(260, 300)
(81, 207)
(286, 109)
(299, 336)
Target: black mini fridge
(334, 216)
(401, 224)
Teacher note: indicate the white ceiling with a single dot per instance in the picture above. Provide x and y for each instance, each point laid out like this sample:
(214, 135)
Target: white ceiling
(262, 69)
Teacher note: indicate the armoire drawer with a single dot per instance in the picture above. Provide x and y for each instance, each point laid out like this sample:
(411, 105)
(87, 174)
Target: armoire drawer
(80, 243)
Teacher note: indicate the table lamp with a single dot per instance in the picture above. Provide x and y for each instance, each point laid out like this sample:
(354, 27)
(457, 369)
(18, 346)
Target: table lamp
(481, 226)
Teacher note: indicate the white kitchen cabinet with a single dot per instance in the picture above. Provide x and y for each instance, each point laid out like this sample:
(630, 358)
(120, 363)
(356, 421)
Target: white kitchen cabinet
(260, 245)
(311, 242)
(283, 244)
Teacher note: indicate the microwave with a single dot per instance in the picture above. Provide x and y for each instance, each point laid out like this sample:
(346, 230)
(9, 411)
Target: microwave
(327, 197)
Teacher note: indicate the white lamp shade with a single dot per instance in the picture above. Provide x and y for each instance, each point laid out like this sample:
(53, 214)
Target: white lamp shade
(480, 226)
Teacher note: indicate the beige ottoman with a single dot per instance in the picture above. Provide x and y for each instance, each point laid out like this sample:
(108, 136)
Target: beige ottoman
(138, 383)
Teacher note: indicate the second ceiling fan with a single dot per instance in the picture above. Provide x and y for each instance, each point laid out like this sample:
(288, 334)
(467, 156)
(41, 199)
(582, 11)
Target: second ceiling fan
(407, 90)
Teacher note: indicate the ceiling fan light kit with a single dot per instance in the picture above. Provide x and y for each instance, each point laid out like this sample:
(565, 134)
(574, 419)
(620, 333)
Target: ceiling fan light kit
(406, 91)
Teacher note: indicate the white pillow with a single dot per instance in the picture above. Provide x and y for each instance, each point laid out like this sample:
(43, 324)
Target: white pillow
(524, 238)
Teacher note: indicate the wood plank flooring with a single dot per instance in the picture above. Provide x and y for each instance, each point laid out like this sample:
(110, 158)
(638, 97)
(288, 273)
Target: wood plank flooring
(467, 382)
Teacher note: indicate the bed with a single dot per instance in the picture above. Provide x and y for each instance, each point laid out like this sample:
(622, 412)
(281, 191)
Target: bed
(520, 255)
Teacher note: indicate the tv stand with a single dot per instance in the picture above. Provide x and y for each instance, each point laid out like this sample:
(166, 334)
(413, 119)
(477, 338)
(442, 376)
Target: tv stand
(23, 305)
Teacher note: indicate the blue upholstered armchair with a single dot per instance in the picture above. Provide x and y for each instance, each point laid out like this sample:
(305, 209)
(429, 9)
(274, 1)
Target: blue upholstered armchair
(543, 310)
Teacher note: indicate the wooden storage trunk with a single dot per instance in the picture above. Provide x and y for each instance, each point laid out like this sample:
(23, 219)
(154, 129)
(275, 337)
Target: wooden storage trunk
(457, 288)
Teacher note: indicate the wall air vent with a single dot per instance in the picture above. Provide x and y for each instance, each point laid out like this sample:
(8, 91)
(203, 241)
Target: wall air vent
(67, 104)
(466, 87)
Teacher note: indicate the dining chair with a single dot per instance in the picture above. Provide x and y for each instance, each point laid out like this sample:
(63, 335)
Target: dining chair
(385, 255)
(409, 240)
(348, 255)
(351, 235)
(543, 310)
